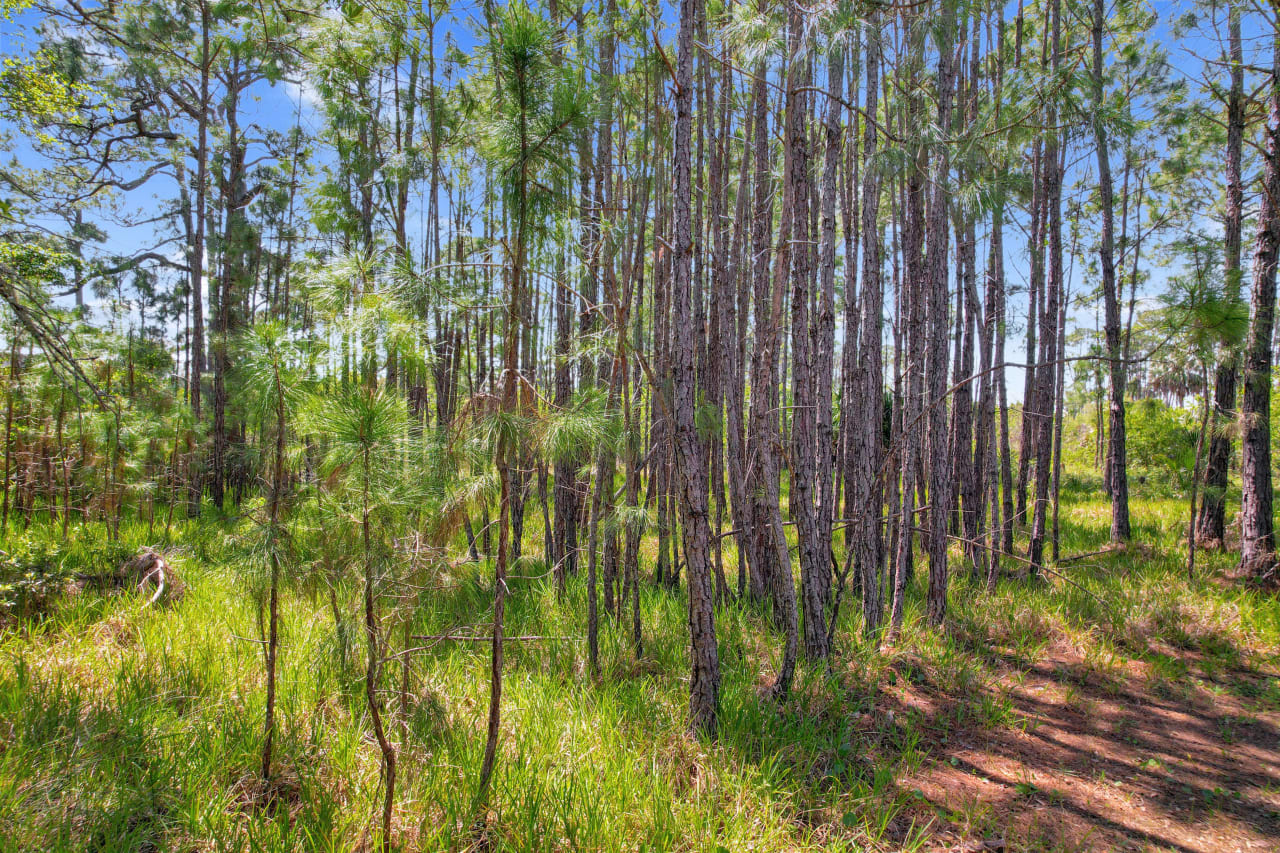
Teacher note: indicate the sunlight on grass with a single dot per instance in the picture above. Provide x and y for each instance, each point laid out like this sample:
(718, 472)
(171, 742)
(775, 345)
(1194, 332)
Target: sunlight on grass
(124, 727)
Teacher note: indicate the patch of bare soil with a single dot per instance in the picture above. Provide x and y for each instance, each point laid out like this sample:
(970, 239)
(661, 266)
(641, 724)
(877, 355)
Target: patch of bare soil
(1118, 760)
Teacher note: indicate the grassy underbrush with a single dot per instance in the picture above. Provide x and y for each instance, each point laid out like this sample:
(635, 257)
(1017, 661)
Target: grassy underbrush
(124, 728)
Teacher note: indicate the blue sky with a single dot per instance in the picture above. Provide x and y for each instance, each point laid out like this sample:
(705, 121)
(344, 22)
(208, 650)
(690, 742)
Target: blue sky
(278, 107)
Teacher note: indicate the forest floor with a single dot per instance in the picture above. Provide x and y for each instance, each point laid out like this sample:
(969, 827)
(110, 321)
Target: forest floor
(1112, 758)
(1114, 705)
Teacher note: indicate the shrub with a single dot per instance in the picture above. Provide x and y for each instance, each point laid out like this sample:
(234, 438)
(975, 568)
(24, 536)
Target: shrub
(32, 575)
(1161, 442)
(35, 572)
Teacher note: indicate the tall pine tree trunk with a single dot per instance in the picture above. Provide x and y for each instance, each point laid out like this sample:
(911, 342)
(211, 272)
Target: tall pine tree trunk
(865, 409)
(939, 303)
(704, 685)
(814, 568)
(761, 432)
(1213, 506)
(1116, 460)
(1047, 372)
(1257, 528)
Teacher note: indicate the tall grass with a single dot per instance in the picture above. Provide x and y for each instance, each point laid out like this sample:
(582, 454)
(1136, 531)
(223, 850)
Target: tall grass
(123, 728)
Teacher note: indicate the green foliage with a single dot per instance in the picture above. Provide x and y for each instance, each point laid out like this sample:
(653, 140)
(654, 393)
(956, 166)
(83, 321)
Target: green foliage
(37, 569)
(94, 699)
(34, 94)
(33, 263)
(358, 427)
(135, 730)
(630, 519)
(540, 105)
(32, 575)
(1202, 311)
(1161, 442)
(268, 369)
(566, 433)
(708, 420)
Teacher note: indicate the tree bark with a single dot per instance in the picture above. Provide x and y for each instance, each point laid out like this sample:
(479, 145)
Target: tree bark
(704, 685)
(1213, 506)
(815, 565)
(1118, 469)
(865, 456)
(733, 366)
(1047, 373)
(1257, 528)
(936, 343)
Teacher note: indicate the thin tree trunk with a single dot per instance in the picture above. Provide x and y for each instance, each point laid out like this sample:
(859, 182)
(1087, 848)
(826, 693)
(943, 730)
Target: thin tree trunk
(704, 685)
(15, 373)
(374, 665)
(1257, 528)
(1213, 506)
(1119, 477)
(936, 341)
(814, 567)
(276, 497)
(733, 366)
(865, 493)
(1027, 434)
(1047, 374)
(1059, 419)
(1195, 473)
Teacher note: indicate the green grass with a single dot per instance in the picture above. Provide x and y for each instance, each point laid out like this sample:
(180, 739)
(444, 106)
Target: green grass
(126, 729)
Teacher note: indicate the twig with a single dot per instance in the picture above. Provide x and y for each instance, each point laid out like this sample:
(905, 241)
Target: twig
(1000, 552)
(1075, 557)
(487, 638)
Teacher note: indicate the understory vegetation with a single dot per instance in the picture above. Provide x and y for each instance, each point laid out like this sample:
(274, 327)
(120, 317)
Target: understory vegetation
(129, 728)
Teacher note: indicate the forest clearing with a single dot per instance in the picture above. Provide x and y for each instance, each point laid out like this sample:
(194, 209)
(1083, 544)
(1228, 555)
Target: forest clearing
(691, 426)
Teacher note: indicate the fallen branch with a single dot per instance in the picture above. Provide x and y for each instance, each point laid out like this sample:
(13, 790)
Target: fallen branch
(489, 639)
(999, 552)
(1075, 557)
(158, 570)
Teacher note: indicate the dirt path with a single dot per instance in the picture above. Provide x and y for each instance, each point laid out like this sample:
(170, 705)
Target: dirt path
(1124, 760)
